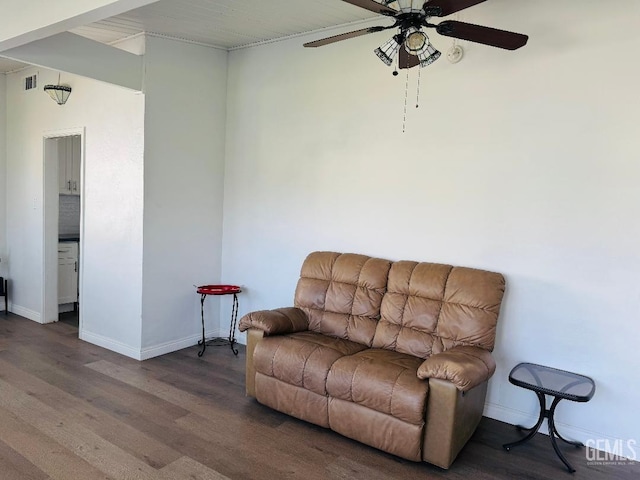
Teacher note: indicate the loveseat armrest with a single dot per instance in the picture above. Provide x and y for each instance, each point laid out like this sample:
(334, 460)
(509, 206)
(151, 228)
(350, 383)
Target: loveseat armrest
(464, 366)
(276, 322)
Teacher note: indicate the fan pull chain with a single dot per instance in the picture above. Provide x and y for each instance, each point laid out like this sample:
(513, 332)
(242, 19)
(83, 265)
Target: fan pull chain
(406, 100)
(418, 89)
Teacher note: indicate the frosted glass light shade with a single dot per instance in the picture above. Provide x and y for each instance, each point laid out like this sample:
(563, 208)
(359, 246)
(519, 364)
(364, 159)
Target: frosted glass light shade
(428, 55)
(416, 41)
(388, 50)
(59, 93)
(408, 6)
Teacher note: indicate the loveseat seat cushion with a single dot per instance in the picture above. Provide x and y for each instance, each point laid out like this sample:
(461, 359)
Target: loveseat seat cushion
(302, 359)
(382, 380)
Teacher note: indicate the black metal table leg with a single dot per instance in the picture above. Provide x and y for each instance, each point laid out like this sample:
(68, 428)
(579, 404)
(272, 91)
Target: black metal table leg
(552, 435)
(203, 341)
(570, 442)
(533, 430)
(553, 431)
(234, 321)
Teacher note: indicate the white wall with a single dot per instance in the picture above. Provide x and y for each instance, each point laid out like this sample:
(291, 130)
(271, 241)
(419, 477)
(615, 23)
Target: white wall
(525, 163)
(112, 202)
(185, 88)
(154, 164)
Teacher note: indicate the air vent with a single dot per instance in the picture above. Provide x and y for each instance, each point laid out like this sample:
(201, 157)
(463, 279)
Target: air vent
(31, 83)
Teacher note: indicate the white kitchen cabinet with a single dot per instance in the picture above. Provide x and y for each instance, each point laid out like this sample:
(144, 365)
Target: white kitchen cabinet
(67, 272)
(69, 165)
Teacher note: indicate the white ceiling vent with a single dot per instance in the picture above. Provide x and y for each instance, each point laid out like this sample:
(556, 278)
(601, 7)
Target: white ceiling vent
(31, 83)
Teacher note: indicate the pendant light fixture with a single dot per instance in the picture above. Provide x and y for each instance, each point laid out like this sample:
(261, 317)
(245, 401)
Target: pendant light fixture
(59, 93)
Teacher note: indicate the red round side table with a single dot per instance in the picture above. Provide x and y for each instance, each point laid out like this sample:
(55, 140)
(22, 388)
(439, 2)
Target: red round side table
(205, 290)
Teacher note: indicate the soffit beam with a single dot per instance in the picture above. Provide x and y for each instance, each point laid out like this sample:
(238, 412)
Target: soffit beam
(70, 53)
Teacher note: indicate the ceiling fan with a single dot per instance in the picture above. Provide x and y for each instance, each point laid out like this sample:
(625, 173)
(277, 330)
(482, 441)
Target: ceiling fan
(411, 17)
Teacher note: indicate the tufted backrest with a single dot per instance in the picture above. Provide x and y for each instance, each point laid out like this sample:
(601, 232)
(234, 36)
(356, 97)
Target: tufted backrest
(342, 294)
(429, 308)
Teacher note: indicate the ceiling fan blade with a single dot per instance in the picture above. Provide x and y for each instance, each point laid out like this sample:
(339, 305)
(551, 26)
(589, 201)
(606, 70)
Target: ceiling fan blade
(373, 6)
(484, 35)
(447, 7)
(338, 38)
(406, 60)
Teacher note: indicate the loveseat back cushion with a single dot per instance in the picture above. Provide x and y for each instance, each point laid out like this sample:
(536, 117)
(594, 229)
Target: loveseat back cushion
(429, 308)
(342, 294)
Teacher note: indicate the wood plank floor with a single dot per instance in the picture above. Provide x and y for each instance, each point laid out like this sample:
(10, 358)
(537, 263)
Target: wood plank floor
(73, 411)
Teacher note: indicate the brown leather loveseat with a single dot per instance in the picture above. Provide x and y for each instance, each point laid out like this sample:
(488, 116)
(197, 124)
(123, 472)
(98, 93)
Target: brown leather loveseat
(393, 354)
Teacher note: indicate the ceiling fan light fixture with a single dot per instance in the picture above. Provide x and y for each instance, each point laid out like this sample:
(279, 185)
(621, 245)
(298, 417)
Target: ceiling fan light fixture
(388, 51)
(411, 21)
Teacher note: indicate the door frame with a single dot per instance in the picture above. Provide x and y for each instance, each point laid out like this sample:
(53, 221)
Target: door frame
(50, 212)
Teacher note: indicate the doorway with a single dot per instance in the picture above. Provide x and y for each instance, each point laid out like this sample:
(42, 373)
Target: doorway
(63, 206)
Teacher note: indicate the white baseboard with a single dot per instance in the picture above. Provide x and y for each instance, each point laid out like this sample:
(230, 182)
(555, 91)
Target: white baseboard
(110, 344)
(597, 440)
(25, 312)
(168, 347)
(512, 416)
(147, 352)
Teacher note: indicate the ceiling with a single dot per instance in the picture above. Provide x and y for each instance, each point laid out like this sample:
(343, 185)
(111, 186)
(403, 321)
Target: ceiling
(226, 24)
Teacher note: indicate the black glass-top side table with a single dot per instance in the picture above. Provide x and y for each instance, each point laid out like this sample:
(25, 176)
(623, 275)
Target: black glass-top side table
(559, 384)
